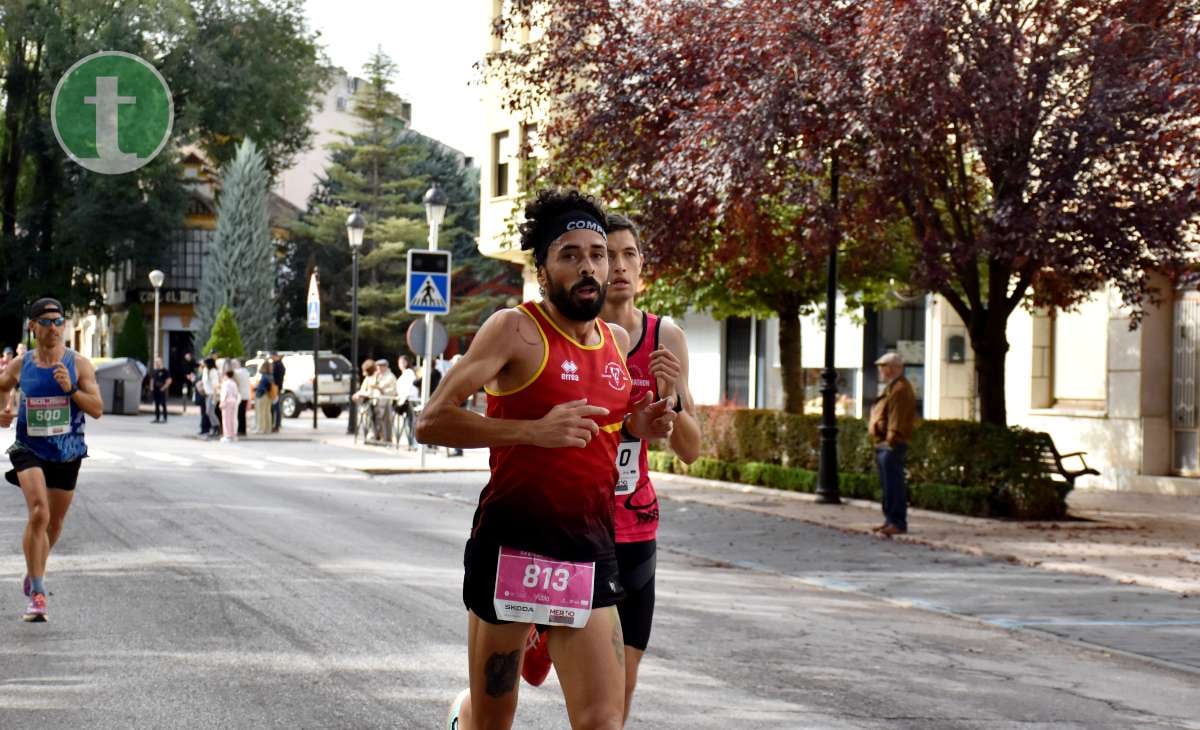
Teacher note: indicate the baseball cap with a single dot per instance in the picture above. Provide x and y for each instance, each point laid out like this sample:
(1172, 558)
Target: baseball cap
(43, 305)
(891, 358)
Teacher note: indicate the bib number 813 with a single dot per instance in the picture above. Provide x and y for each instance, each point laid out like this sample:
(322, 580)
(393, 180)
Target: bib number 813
(555, 579)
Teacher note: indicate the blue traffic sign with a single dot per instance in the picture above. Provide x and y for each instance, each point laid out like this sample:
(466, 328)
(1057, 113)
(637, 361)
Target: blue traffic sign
(428, 282)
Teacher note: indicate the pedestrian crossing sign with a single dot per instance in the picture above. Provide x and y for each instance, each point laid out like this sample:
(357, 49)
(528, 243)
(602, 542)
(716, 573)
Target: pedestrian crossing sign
(428, 282)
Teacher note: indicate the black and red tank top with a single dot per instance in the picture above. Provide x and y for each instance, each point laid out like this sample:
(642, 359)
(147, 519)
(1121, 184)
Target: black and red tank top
(636, 514)
(558, 502)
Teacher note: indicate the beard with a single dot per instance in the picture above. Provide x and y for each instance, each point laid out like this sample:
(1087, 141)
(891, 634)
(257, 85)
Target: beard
(573, 309)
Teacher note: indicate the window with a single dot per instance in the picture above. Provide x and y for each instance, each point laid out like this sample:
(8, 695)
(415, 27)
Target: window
(502, 154)
(1080, 345)
(186, 262)
(529, 153)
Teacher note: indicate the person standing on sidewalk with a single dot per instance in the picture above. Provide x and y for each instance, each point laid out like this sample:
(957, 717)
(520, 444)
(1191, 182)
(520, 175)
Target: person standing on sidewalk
(58, 389)
(892, 420)
(262, 398)
(229, 399)
(658, 364)
(385, 388)
(187, 375)
(277, 372)
(160, 381)
(242, 376)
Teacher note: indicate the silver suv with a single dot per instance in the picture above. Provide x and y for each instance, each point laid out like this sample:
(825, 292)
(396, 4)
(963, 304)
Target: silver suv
(333, 391)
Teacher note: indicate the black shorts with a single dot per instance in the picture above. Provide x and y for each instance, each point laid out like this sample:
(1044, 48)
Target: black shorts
(479, 581)
(59, 475)
(637, 561)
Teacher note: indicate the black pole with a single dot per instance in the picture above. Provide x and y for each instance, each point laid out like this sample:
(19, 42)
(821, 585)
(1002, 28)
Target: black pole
(316, 367)
(827, 470)
(352, 426)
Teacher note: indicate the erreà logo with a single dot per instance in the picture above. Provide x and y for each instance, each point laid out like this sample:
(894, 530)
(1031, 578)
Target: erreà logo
(614, 375)
(570, 371)
(112, 112)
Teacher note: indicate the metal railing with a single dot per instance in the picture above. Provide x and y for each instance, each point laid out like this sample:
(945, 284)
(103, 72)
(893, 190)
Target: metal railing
(384, 421)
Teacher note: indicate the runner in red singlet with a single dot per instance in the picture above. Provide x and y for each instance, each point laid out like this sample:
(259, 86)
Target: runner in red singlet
(541, 549)
(658, 363)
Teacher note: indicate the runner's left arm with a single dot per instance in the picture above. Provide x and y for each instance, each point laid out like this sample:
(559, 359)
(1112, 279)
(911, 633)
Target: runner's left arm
(646, 418)
(87, 397)
(670, 365)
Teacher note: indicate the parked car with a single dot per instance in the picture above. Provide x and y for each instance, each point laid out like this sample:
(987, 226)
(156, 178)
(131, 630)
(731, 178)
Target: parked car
(333, 392)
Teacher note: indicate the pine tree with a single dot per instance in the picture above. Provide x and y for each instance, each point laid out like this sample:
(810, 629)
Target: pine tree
(225, 337)
(384, 170)
(132, 340)
(240, 269)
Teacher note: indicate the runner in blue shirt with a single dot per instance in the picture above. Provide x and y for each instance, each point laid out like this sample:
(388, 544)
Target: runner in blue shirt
(58, 387)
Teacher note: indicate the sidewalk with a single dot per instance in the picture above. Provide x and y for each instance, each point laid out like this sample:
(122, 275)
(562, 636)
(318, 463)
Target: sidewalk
(1141, 539)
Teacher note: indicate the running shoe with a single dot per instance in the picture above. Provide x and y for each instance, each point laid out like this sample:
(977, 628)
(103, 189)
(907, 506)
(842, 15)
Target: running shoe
(455, 707)
(537, 663)
(37, 608)
(28, 585)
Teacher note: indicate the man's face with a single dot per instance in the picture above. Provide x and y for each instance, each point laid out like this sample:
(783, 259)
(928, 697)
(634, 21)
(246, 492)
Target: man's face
(576, 274)
(625, 266)
(382, 367)
(47, 327)
(403, 363)
(158, 363)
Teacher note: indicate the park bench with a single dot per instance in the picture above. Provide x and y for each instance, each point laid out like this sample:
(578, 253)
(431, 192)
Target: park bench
(1053, 461)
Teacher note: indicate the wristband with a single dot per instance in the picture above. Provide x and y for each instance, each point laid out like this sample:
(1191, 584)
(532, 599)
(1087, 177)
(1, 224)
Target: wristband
(678, 407)
(74, 389)
(625, 434)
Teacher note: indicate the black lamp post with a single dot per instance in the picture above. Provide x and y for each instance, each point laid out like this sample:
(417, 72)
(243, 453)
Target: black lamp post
(355, 226)
(827, 469)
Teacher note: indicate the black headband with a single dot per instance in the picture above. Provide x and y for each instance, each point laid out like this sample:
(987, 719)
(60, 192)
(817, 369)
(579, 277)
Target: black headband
(572, 220)
(43, 305)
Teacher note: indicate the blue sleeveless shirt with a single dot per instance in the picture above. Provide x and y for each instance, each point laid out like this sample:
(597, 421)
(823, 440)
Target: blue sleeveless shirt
(49, 423)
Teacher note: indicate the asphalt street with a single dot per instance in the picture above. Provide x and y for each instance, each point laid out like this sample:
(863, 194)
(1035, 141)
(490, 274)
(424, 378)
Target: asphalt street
(203, 585)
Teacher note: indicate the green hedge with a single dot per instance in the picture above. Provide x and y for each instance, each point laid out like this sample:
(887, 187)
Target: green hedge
(953, 466)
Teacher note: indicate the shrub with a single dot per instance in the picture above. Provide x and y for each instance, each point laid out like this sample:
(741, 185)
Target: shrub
(225, 337)
(974, 501)
(859, 486)
(132, 340)
(661, 461)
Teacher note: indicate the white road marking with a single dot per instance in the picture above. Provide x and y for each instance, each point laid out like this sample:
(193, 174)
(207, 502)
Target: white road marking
(293, 461)
(99, 455)
(164, 457)
(239, 461)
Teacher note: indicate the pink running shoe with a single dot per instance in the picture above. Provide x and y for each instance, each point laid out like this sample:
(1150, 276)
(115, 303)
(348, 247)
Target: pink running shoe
(37, 608)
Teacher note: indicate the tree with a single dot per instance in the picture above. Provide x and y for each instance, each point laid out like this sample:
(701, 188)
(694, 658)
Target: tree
(384, 170)
(236, 68)
(225, 338)
(1011, 152)
(240, 269)
(671, 118)
(1055, 148)
(132, 340)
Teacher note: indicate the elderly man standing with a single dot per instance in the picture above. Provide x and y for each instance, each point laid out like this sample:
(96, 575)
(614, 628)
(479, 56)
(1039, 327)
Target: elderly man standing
(385, 386)
(891, 426)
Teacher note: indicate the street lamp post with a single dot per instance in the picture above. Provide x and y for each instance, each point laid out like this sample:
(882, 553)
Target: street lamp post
(355, 227)
(156, 281)
(435, 211)
(827, 468)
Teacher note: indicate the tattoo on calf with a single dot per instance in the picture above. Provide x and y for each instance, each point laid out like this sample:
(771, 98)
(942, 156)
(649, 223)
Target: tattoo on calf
(501, 672)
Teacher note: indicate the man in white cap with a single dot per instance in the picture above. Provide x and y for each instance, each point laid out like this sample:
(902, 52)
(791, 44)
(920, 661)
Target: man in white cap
(891, 426)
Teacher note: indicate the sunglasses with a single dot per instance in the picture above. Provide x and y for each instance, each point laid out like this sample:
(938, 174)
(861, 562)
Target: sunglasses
(57, 321)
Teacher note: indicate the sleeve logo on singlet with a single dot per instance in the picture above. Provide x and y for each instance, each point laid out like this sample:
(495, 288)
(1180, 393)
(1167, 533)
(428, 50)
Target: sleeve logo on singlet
(614, 375)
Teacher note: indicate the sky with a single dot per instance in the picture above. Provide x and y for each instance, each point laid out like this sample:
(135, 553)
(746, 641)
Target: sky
(433, 43)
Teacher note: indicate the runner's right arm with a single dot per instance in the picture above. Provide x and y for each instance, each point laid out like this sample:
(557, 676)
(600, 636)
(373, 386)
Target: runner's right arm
(496, 348)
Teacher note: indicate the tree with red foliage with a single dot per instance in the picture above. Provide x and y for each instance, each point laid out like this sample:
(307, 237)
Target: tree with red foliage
(1025, 151)
(666, 108)
(1039, 149)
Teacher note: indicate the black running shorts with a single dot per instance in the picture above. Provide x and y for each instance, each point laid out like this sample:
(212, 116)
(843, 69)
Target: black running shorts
(479, 581)
(59, 475)
(636, 561)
